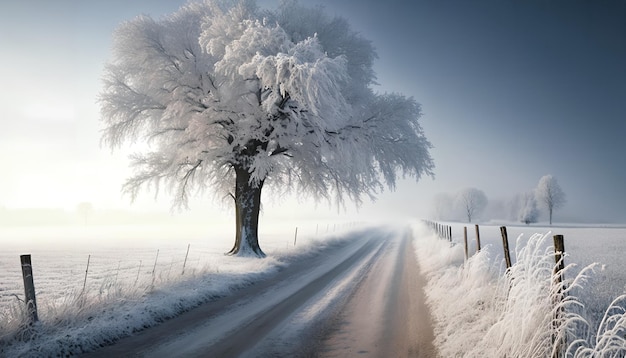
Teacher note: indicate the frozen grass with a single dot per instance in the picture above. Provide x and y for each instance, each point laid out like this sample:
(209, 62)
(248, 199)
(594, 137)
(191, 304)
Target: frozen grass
(119, 300)
(81, 320)
(479, 310)
(482, 311)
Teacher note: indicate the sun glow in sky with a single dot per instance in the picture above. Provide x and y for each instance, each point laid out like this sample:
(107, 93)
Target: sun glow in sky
(510, 91)
(50, 110)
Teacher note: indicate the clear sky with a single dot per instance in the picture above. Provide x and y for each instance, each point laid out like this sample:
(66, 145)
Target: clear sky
(511, 91)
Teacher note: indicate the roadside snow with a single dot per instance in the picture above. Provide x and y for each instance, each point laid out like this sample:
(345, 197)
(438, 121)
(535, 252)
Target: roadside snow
(480, 311)
(81, 322)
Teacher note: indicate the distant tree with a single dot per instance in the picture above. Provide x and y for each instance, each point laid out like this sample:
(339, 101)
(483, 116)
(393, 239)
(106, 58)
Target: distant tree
(472, 201)
(84, 210)
(527, 211)
(233, 98)
(550, 194)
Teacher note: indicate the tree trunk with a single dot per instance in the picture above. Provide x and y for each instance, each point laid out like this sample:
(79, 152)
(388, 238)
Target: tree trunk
(237, 228)
(247, 209)
(550, 216)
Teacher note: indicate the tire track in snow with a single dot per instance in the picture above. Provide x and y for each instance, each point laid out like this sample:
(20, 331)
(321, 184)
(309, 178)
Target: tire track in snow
(265, 322)
(229, 326)
(387, 315)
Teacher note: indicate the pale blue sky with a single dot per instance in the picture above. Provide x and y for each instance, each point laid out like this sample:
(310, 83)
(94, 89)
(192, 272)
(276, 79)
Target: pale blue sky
(511, 90)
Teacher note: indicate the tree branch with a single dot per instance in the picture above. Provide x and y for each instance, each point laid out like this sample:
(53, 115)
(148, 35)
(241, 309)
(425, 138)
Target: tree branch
(185, 180)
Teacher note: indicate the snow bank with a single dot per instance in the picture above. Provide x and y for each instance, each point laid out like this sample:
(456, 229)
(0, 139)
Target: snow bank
(479, 311)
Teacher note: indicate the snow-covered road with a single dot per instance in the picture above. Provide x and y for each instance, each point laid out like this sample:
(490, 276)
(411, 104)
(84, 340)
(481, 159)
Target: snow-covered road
(387, 315)
(363, 298)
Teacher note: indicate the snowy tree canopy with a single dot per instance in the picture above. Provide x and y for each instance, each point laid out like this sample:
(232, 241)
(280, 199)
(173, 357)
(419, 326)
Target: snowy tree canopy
(550, 194)
(527, 211)
(231, 97)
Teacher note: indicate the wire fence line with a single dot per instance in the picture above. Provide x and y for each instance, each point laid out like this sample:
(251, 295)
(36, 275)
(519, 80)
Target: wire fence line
(70, 277)
(56, 273)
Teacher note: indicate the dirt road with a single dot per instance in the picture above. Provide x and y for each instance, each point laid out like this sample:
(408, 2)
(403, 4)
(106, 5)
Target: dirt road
(364, 299)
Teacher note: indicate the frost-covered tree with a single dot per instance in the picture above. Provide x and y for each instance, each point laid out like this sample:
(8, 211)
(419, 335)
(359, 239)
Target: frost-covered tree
(527, 210)
(472, 202)
(550, 194)
(236, 99)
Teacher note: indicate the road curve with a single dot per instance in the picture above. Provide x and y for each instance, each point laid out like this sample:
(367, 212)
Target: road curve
(364, 298)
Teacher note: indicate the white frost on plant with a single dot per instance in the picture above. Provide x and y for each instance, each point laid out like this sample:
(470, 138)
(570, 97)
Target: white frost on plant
(219, 87)
(479, 311)
(81, 321)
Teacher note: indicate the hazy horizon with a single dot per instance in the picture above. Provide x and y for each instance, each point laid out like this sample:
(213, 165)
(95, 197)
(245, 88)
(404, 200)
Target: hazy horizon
(510, 92)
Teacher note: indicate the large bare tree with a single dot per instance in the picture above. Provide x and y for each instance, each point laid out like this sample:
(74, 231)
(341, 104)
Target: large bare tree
(233, 98)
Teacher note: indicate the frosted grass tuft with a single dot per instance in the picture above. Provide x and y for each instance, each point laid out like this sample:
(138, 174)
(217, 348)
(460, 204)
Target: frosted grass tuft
(480, 310)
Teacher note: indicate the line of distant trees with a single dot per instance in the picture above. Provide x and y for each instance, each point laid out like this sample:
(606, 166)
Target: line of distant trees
(470, 203)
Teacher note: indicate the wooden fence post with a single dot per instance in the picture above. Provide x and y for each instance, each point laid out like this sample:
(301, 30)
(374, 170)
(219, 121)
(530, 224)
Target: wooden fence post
(559, 251)
(185, 262)
(138, 271)
(465, 241)
(295, 237)
(154, 268)
(450, 233)
(477, 239)
(505, 244)
(86, 272)
(29, 288)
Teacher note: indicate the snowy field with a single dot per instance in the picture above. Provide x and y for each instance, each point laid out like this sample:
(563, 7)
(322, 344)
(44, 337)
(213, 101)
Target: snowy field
(129, 287)
(499, 315)
(477, 310)
(123, 254)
